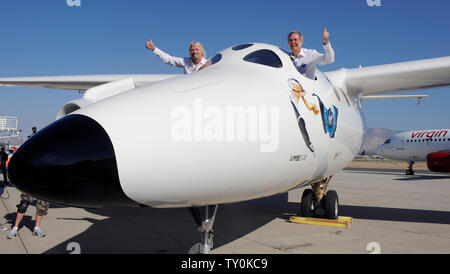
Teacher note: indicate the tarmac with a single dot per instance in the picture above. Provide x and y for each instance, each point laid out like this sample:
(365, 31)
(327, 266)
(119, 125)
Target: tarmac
(392, 213)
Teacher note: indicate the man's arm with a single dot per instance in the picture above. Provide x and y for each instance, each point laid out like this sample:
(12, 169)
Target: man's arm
(328, 57)
(166, 58)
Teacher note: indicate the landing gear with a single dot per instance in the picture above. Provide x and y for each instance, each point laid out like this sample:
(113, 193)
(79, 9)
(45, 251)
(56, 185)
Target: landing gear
(318, 202)
(205, 223)
(410, 170)
(331, 205)
(308, 201)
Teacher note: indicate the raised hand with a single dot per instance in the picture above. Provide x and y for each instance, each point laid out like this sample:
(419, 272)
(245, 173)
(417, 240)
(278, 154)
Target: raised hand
(150, 44)
(326, 36)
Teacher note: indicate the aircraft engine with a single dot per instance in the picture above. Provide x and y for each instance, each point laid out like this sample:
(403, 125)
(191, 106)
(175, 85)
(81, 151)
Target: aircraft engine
(96, 94)
(71, 106)
(439, 161)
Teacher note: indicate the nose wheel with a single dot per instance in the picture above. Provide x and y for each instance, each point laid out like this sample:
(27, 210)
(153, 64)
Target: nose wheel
(205, 223)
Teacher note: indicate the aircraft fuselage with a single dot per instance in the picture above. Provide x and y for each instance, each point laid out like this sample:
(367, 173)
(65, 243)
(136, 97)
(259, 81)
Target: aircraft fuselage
(235, 131)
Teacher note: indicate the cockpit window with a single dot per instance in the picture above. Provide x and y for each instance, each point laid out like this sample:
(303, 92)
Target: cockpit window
(388, 141)
(264, 57)
(243, 46)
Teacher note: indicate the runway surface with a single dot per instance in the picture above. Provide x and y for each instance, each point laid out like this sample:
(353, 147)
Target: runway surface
(393, 213)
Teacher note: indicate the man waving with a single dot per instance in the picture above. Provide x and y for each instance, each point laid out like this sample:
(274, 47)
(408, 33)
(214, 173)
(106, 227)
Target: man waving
(190, 64)
(306, 60)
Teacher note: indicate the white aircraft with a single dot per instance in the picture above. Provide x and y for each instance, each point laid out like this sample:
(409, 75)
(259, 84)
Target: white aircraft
(432, 146)
(248, 126)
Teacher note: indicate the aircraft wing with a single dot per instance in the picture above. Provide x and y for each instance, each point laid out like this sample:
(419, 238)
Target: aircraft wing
(81, 82)
(406, 76)
(387, 97)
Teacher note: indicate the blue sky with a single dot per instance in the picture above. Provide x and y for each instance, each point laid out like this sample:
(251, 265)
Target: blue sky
(40, 38)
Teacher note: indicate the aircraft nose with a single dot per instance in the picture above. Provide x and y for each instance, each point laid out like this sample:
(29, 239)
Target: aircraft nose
(71, 162)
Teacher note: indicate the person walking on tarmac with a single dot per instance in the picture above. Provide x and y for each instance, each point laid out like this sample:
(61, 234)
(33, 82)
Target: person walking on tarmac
(41, 211)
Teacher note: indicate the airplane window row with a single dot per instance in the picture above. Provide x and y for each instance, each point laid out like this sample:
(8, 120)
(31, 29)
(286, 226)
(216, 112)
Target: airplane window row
(263, 57)
(428, 140)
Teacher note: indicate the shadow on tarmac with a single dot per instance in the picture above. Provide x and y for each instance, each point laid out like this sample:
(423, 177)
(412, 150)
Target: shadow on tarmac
(396, 214)
(27, 221)
(420, 174)
(422, 177)
(151, 230)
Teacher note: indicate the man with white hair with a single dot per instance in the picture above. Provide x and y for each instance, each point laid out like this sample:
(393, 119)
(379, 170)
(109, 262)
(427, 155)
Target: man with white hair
(190, 64)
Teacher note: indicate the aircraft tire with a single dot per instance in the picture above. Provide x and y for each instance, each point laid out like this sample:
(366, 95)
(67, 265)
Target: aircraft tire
(331, 205)
(307, 203)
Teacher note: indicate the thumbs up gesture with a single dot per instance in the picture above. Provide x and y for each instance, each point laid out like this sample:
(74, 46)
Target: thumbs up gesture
(150, 44)
(326, 36)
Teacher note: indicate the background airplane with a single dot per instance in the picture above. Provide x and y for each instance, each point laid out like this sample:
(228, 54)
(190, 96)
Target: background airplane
(432, 146)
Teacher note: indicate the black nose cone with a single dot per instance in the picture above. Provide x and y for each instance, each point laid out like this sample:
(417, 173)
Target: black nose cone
(70, 162)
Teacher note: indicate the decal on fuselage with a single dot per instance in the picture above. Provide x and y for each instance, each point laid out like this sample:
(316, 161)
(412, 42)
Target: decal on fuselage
(329, 115)
(296, 93)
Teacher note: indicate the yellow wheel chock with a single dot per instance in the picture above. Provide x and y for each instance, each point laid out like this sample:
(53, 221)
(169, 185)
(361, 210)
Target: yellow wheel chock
(340, 222)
